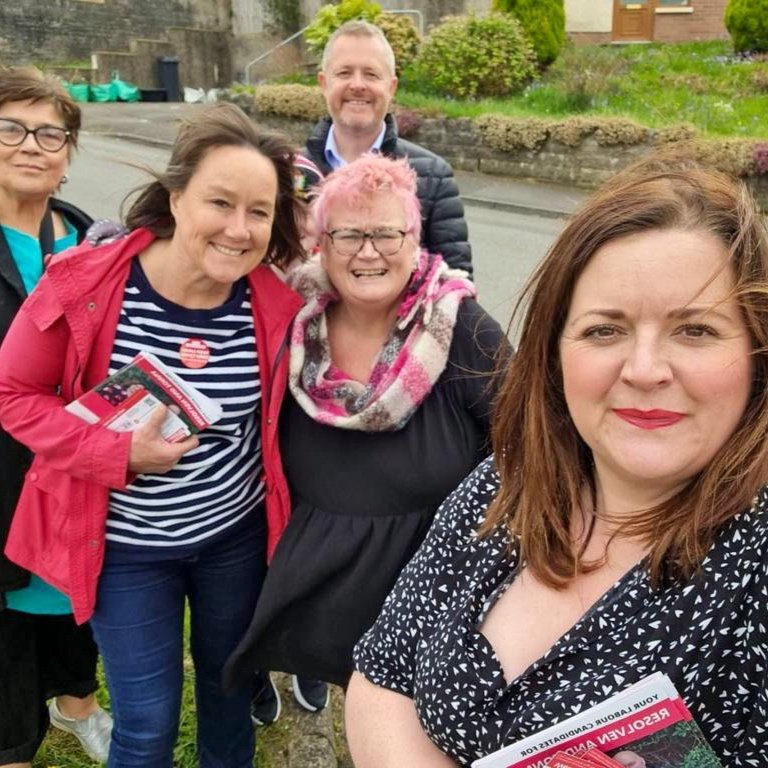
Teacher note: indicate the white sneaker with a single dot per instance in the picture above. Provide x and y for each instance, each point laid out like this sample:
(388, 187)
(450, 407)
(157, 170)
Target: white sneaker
(93, 733)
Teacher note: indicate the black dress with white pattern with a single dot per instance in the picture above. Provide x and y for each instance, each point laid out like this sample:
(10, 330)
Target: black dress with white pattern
(710, 635)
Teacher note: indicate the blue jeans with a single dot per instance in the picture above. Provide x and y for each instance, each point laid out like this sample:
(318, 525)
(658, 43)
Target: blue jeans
(138, 625)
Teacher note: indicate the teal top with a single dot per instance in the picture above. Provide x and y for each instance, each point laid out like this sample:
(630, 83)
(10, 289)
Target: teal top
(38, 597)
(28, 255)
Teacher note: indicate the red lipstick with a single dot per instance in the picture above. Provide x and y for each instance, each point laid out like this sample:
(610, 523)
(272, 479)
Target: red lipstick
(654, 419)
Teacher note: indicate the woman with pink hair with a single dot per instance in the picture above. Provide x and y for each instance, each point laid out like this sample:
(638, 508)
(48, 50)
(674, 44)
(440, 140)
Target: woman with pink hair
(391, 363)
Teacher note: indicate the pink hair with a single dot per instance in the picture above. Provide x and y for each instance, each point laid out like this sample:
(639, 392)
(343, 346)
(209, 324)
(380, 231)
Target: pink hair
(360, 180)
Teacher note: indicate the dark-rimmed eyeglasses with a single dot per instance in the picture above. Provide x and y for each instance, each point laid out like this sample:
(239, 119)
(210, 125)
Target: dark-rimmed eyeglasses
(50, 138)
(349, 242)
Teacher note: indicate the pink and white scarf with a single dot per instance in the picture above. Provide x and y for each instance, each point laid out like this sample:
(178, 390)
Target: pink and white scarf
(410, 362)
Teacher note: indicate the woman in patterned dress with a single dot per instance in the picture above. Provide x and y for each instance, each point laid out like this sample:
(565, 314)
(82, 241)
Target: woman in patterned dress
(621, 528)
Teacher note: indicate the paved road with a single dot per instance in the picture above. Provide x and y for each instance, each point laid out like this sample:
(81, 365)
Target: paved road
(506, 245)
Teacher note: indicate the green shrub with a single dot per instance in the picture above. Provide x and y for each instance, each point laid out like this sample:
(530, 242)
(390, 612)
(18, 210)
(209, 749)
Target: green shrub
(305, 101)
(543, 22)
(330, 17)
(470, 56)
(400, 30)
(747, 23)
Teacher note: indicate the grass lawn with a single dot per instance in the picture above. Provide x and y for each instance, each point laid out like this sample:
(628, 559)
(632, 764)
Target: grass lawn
(656, 85)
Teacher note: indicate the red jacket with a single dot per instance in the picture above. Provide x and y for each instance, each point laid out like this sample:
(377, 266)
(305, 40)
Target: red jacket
(59, 347)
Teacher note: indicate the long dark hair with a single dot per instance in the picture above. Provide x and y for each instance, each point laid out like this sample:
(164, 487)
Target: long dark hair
(222, 125)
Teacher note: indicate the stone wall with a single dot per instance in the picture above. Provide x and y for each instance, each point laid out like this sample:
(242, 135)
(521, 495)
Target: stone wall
(59, 31)
(460, 142)
(203, 54)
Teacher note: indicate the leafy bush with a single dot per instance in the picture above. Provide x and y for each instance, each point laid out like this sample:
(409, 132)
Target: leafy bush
(400, 30)
(747, 23)
(330, 17)
(304, 101)
(543, 22)
(470, 56)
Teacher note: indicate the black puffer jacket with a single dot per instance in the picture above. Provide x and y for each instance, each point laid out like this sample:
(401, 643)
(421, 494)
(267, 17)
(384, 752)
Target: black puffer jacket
(443, 226)
(14, 457)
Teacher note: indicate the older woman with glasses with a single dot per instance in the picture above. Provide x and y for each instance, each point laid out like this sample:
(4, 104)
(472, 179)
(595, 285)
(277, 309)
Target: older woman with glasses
(391, 363)
(43, 653)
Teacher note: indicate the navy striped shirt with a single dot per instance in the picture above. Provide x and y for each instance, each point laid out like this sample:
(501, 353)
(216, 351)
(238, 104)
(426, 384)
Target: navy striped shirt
(218, 483)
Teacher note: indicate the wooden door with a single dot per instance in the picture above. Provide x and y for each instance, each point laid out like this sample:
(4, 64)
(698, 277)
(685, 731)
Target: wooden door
(633, 20)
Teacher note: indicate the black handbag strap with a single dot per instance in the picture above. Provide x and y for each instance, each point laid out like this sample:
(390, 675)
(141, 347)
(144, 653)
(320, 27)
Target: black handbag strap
(46, 235)
(8, 269)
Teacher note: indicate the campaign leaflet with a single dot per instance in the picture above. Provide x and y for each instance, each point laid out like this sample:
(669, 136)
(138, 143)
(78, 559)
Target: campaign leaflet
(125, 400)
(647, 725)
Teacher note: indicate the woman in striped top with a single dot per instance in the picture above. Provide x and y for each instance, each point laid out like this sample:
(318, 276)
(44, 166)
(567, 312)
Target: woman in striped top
(135, 525)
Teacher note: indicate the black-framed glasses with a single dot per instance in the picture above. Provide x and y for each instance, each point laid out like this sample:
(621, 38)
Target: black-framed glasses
(51, 138)
(349, 242)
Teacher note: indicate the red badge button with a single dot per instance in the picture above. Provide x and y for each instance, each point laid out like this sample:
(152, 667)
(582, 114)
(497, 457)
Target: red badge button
(194, 353)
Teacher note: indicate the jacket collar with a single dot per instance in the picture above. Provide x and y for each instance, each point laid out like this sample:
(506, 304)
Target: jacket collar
(317, 140)
(277, 312)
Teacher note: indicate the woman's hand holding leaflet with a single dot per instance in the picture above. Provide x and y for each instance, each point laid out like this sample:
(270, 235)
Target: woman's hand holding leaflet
(150, 452)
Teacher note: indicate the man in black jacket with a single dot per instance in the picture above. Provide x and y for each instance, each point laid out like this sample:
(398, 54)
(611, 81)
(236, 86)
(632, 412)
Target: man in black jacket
(357, 77)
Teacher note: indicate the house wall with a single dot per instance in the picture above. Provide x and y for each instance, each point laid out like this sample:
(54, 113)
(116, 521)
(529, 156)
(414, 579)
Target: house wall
(703, 20)
(591, 21)
(588, 16)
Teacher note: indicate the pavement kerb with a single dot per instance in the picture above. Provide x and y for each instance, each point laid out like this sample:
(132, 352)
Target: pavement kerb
(505, 205)
(471, 200)
(133, 137)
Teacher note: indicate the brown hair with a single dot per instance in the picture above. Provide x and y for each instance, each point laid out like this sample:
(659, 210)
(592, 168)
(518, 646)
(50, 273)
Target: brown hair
(543, 463)
(30, 84)
(222, 125)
